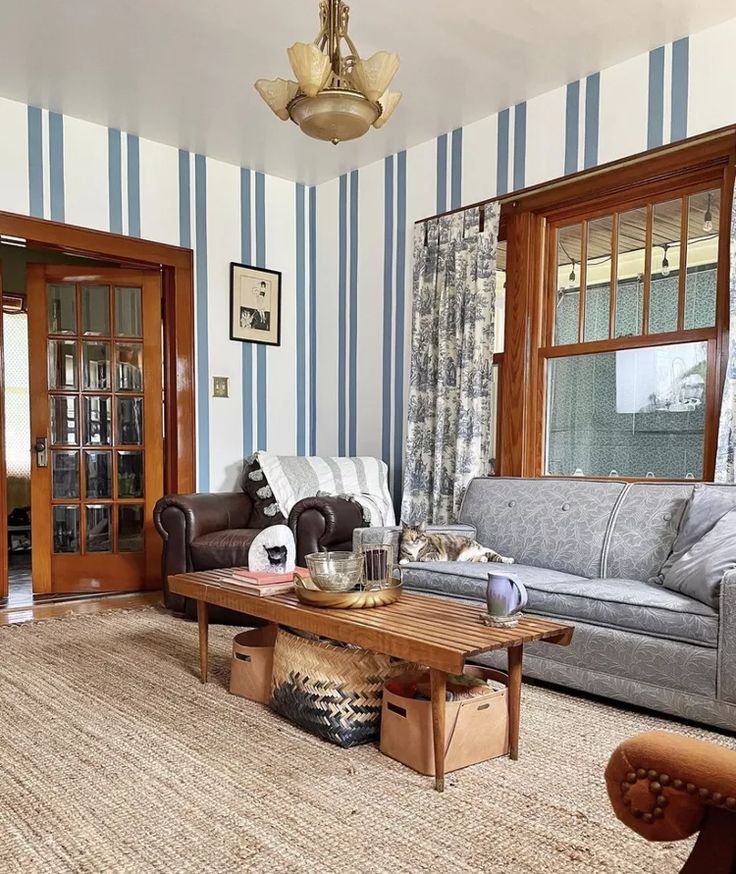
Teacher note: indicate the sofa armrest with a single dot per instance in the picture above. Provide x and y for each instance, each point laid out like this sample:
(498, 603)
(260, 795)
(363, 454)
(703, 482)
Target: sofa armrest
(390, 536)
(727, 639)
(323, 523)
(180, 519)
(662, 785)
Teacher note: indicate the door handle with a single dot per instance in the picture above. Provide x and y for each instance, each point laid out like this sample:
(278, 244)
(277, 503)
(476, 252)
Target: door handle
(42, 455)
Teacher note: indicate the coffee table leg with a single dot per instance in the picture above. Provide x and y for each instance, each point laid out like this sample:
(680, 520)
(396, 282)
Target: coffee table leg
(515, 657)
(203, 622)
(438, 681)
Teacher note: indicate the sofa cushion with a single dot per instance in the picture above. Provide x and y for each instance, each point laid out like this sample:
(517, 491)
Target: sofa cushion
(222, 548)
(559, 524)
(629, 605)
(468, 579)
(643, 529)
(706, 506)
(266, 510)
(701, 569)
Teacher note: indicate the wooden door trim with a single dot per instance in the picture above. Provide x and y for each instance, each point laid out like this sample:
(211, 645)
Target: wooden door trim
(177, 275)
(3, 472)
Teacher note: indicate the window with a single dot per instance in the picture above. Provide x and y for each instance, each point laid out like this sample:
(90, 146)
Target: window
(631, 338)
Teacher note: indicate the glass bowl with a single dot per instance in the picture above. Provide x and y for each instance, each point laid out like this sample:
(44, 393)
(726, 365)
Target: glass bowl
(335, 571)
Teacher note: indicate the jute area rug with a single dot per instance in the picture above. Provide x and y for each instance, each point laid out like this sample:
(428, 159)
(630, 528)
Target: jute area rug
(115, 759)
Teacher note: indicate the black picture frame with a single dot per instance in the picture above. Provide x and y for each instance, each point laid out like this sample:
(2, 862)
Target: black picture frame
(255, 304)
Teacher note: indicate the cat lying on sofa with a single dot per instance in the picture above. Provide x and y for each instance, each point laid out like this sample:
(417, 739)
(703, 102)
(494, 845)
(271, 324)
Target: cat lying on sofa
(418, 544)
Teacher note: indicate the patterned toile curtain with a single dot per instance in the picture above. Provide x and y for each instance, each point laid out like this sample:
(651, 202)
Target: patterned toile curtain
(449, 419)
(725, 467)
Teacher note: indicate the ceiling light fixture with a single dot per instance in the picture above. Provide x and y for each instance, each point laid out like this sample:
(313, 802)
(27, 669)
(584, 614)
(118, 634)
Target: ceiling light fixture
(708, 218)
(665, 271)
(337, 95)
(572, 275)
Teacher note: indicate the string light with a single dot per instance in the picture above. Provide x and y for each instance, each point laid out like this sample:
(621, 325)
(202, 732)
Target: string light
(665, 261)
(708, 217)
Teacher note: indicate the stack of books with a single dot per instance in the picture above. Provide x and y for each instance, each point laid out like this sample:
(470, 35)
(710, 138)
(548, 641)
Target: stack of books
(262, 584)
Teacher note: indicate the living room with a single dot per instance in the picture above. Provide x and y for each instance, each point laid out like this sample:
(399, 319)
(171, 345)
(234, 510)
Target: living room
(438, 326)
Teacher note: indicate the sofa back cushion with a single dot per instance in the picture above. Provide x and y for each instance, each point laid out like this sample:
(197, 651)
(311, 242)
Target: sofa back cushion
(559, 524)
(644, 528)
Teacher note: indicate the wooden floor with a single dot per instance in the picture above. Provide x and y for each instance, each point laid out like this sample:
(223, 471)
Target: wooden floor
(11, 615)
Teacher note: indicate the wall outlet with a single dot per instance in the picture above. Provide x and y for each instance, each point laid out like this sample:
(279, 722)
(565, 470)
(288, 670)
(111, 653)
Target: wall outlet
(220, 387)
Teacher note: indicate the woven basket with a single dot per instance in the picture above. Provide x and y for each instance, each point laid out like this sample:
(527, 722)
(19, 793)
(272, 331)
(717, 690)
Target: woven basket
(332, 691)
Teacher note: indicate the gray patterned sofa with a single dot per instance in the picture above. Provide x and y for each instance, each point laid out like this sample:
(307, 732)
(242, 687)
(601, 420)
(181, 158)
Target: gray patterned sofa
(585, 551)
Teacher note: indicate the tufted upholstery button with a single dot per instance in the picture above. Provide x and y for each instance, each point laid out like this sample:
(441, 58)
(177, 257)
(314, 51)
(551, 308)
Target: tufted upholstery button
(667, 517)
(565, 506)
(512, 503)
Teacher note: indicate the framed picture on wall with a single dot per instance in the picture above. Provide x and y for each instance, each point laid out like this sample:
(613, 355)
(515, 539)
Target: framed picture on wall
(255, 304)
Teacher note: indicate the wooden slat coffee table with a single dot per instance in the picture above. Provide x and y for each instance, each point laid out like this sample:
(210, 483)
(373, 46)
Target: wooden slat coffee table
(435, 632)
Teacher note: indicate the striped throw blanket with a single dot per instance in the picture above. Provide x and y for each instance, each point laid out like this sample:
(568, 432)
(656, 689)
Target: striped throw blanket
(365, 480)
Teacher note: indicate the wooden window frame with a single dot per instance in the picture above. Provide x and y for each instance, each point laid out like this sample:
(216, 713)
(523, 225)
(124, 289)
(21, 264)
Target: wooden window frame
(665, 173)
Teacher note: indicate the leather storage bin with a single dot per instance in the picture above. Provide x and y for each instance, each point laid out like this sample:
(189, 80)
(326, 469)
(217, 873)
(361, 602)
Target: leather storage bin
(252, 663)
(476, 729)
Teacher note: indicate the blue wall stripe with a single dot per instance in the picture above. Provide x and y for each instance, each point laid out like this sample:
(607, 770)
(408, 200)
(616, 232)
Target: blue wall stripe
(56, 166)
(519, 146)
(342, 310)
(115, 181)
(680, 83)
(313, 320)
(353, 349)
(200, 219)
(134, 186)
(456, 185)
(35, 162)
(261, 357)
(502, 150)
(301, 322)
(400, 326)
(592, 114)
(388, 270)
(655, 121)
(442, 173)
(185, 202)
(246, 231)
(572, 122)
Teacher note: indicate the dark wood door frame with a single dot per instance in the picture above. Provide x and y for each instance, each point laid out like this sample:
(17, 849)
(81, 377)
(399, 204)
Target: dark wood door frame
(177, 283)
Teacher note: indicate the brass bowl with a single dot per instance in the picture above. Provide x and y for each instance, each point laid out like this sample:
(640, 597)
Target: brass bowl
(355, 600)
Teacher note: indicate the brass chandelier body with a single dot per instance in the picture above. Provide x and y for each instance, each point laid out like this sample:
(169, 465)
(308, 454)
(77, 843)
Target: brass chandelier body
(338, 95)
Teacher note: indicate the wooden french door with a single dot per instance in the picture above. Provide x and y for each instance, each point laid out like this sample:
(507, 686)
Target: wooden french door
(96, 425)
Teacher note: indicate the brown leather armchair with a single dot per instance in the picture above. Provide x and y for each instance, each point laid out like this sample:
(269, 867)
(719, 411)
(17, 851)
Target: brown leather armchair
(210, 531)
(667, 787)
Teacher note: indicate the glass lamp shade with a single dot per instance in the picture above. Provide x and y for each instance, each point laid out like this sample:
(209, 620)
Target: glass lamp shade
(277, 93)
(389, 101)
(373, 75)
(335, 114)
(311, 67)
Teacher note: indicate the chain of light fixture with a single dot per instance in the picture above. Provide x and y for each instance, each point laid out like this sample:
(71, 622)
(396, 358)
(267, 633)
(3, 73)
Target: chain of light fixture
(336, 96)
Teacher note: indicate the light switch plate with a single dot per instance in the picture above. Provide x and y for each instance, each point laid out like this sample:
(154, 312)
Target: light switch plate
(220, 387)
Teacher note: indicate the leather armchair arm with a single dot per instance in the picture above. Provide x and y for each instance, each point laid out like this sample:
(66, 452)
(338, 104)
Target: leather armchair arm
(664, 785)
(323, 523)
(180, 519)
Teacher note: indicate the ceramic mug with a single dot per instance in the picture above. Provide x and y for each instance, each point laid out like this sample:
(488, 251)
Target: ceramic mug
(505, 596)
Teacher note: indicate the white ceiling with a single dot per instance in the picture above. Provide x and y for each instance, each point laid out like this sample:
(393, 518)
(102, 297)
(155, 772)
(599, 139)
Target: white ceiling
(181, 71)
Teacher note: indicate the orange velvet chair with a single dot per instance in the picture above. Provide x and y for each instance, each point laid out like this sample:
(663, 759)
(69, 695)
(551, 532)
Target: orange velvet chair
(667, 787)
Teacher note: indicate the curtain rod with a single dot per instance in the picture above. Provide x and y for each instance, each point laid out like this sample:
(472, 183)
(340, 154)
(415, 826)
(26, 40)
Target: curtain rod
(561, 181)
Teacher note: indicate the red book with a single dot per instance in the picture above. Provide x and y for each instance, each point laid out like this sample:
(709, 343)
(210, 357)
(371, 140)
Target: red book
(260, 578)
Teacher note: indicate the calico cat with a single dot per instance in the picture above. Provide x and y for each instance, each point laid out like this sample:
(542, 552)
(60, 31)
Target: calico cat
(418, 544)
(276, 558)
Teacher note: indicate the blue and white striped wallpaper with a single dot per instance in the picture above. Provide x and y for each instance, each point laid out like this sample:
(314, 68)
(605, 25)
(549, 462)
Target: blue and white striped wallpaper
(339, 381)
(58, 167)
(674, 91)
